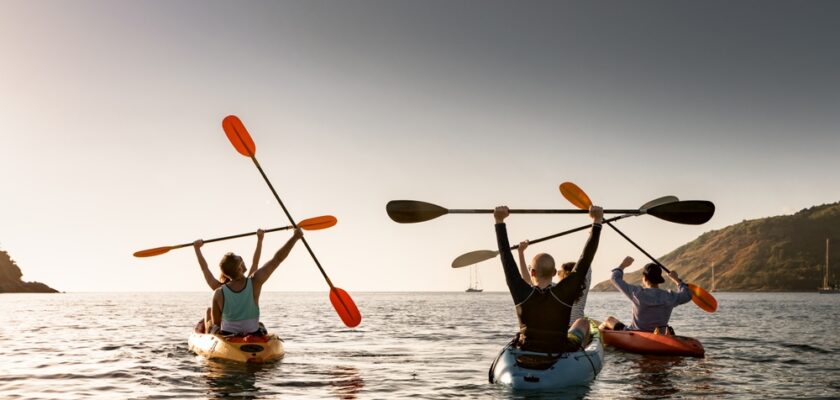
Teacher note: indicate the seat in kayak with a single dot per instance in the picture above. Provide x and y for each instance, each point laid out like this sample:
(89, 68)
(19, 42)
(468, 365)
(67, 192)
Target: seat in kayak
(528, 370)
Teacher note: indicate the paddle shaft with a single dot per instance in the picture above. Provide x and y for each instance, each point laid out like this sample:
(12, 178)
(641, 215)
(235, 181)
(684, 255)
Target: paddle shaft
(638, 247)
(483, 255)
(578, 197)
(699, 296)
(703, 299)
(578, 229)
(607, 221)
(303, 239)
(244, 145)
(549, 211)
(234, 236)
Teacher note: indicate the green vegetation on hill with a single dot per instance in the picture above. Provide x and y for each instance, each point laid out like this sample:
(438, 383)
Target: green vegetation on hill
(10, 278)
(776, 254)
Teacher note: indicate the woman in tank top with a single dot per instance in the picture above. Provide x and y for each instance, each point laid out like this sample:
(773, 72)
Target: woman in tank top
(235, 308)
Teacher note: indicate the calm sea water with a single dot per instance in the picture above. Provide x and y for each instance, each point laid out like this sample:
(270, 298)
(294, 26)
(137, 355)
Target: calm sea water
(417, 345)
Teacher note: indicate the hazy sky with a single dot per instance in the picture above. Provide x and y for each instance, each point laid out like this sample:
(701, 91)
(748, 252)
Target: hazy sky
(111, 129)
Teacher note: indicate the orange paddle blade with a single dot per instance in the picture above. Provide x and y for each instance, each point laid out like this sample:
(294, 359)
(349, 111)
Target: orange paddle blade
(345, 307)
(322, 222)
(238, 136)
(702, 298)
(575, 195)
(153, 252)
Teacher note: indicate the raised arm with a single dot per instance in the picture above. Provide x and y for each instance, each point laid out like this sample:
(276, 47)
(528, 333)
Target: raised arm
(519, 290)
(618, 279)
(208, 277)
(682, 295)
(523, 266)
(578, 273)
(266, 270)
(257, 251)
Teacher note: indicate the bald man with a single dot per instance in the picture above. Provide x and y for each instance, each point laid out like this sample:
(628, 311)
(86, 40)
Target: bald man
(543, 309)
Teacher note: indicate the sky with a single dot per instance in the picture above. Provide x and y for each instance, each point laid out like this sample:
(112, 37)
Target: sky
(112, 142)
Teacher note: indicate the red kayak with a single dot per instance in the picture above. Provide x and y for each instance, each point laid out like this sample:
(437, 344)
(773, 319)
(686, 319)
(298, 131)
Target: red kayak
(653, 343)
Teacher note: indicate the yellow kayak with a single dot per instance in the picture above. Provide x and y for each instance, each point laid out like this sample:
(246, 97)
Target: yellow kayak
(245, 349)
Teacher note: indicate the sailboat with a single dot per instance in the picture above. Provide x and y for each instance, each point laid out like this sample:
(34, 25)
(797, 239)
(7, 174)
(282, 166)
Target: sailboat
(474, 285)
(827, 287)
(713, 278)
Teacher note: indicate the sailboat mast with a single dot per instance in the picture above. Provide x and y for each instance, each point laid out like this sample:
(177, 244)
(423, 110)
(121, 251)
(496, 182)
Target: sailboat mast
(825, 280)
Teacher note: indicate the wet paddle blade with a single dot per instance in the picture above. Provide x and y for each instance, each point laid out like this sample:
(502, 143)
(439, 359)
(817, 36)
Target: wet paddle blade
(702, 298)
(473, 257)
(658, 202)
(410, 211)
(690, 212)
(345, 307)
(238, 136)
(153, 252)
(316, 223)
(575, 195)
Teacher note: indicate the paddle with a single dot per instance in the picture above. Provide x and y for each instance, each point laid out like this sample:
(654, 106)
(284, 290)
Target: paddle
(310, 224)
(478, 256)
(241, 140)
(576, 196)
(693, 212)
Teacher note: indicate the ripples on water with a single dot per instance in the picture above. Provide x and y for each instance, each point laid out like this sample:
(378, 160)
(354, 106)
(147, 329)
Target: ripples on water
(420, 345)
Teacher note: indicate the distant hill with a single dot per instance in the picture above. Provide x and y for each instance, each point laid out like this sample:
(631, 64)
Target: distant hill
(10, 281)
(777, 254)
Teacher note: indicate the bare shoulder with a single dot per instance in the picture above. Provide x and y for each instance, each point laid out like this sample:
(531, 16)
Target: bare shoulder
(259, 276)
(257, 282)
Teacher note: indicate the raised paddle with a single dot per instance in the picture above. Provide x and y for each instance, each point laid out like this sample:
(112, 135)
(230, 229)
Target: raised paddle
(699, 296)
(478, 256)
(690, 212)
(578, 197)
(683, 212)
(311, 224)
(241, 140)
(411, 211)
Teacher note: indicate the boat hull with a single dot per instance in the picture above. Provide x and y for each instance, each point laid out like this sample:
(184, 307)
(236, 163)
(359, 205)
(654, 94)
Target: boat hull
(247, 349)
(556, 372)
(651, 343)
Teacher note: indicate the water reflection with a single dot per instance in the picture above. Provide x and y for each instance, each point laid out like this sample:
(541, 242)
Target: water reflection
(655, 379)
(234, 380)
(346, 382)
(389, 358)
(570, 393)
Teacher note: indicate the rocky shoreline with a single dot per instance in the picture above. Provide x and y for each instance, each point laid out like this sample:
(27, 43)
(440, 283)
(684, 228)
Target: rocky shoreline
(10, 278)
(785, 253)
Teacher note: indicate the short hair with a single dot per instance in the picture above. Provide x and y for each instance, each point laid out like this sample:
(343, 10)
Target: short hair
(653, 273)
(544, 265)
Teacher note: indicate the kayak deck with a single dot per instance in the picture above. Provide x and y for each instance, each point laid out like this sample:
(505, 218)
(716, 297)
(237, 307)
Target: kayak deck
(250, 349)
